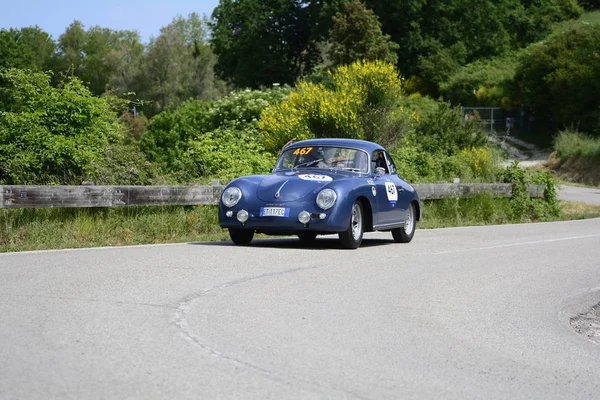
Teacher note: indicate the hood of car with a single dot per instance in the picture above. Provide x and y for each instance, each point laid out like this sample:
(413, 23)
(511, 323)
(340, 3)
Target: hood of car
(291, 186)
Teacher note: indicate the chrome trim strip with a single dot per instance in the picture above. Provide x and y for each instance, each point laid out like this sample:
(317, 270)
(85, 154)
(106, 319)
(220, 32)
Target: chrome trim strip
(277, 194)
(389, 225)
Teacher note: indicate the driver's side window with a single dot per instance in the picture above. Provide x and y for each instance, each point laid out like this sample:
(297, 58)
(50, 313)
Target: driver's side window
(378, 161)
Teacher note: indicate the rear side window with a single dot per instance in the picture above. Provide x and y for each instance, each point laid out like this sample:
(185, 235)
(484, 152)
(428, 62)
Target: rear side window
(391, 163)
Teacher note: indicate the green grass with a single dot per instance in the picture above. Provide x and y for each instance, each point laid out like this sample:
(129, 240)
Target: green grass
(572, 144)
(40, 229)
(572, 210)
(592, 17)
(37, 229)
(479, 210)
(488, 210)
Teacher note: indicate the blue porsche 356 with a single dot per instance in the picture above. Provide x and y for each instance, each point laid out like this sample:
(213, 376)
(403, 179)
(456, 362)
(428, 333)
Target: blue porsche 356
(323, 186)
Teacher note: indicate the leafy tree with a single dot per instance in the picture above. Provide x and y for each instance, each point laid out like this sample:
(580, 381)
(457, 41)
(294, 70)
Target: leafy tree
(93, 56)
(432, 34)
(590, 4)
(126, 59)
(356, 35)
(28, 48)
(534, 19)
(97, 70)
(484, 82)
(437, 67)
(59, 135)
(260, 42)
(70, 54)
(559, 79)
(167, 68)
(179, 65)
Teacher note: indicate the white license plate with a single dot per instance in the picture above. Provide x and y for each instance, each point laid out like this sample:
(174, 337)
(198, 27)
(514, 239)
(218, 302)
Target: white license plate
(274, 212)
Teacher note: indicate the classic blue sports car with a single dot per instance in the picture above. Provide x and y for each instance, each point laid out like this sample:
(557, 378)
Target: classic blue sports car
(323, 186)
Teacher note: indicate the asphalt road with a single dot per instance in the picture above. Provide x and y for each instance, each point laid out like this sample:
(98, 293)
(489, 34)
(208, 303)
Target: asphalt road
(580, 194)
(480, 312)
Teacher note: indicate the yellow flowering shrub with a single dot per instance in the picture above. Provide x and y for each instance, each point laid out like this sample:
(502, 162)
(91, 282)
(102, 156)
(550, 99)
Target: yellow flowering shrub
(477, 161)
(369, 83)
(314, 110)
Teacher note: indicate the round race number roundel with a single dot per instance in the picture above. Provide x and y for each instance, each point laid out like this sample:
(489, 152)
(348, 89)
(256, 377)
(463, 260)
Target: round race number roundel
(318, 178)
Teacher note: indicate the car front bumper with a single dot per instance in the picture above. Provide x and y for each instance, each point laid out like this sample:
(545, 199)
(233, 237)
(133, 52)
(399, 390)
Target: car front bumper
(320, 220)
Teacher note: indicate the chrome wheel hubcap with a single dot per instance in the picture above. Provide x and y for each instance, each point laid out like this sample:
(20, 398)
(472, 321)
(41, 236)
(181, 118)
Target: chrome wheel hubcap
(356, 222)
(410, 222)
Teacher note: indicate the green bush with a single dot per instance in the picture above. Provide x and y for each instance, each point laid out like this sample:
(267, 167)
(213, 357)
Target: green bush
(441, 146)
(58, 135)
(444, 131)
(531, 209)
(123, 164)
(569, 143)
(227, 153)
(166, 138)
(476, 164)
(189, 141)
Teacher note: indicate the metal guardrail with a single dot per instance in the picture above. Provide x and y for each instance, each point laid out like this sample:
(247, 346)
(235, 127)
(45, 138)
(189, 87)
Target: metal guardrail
(17, 196)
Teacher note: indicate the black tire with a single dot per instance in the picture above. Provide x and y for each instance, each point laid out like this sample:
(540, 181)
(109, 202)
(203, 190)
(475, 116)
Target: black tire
(241, 237)
(352, 237)
(406, 233)
(307, 237)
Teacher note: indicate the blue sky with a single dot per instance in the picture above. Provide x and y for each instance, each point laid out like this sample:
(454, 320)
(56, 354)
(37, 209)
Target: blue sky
(145, 16)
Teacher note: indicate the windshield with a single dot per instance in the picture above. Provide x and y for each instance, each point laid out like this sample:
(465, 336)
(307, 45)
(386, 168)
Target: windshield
(324, 157)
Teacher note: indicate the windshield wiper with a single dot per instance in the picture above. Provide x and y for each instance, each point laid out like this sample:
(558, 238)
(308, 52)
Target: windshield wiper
(308, 164)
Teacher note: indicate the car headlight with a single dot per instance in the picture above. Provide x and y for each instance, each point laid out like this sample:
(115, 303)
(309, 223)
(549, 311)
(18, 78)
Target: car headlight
(231, 196)
(326, 198)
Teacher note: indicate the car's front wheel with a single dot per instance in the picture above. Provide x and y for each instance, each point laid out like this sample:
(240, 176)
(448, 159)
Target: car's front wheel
(352, 237)
(241, 236)
(406, 233)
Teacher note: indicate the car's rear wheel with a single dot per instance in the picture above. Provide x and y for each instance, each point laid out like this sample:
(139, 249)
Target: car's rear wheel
(307, 237)
(352, 237)
(406, 233)
(241, 236)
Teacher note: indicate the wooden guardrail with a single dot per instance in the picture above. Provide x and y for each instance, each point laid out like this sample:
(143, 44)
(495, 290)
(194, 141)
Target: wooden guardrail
(14, 196)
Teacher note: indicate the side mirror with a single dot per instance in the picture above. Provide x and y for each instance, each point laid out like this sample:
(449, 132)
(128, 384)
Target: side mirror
(379, 171)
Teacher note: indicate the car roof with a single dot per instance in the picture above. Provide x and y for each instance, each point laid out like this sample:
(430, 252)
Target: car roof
(339, 142)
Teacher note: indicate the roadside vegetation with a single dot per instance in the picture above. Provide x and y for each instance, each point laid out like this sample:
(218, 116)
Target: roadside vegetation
(571, 144)
(197, 103)
(43, 229)
(576, 158)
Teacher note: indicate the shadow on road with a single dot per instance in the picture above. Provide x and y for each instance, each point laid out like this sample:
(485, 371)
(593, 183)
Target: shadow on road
(320, 243)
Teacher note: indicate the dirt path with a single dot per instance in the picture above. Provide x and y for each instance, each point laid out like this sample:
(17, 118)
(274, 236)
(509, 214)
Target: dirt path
(527, 154)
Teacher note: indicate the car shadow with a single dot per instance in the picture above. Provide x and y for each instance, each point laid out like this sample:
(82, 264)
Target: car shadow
(320, 243)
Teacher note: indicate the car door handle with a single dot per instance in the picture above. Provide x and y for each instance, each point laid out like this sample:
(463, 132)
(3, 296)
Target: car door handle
(400, 189)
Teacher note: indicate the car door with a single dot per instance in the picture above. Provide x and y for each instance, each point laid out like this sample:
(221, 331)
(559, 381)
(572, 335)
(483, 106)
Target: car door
(389, 194)
(403, 195)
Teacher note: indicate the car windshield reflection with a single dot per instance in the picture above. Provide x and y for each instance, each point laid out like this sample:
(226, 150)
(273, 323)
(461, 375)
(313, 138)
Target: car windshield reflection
(342, 158)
